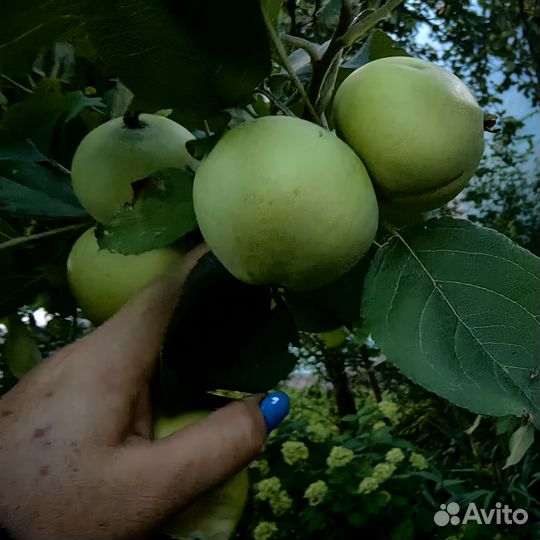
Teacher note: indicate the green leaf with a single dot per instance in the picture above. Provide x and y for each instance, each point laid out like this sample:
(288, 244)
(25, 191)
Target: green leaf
(224, 334)
(35, 117)
(200, 147)
(520, 441)
(21, 348)
(456, 308)
(21, 151)
(162, 213)
(403, 530)
(328, 14)
(271, 9)
(506, 424)
(475, 424)
(377, 45)
(333, 305)
(33, 190)
(196, 57)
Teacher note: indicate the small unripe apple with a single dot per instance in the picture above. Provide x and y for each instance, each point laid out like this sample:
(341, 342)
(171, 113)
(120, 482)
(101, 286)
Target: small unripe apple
(215, 514)
(417, 128)
(121, 151)
(102, 281)
(282, 201)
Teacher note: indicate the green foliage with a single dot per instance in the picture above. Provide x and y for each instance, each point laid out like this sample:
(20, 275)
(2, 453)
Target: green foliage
(315, 481)
(242, 334)
(161, 214)
(479, 38)
(437, 296)
(30, 187)
(67, 67)
(196, 51)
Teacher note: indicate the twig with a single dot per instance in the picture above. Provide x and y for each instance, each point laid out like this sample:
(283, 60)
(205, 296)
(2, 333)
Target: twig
(59, 166)
(275, 100)
(308, 46)
(287, 65)
(291, 9)
(37, 236)
(18, 85)
(347, 32)
(321, 68)
(358, 30)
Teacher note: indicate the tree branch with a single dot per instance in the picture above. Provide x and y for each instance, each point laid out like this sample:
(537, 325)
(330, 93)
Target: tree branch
(276, 101)
(305, 44)
(321, 67)
(37, 236)
(287, 65)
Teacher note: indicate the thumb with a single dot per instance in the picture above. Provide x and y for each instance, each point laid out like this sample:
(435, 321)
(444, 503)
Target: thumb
(175, 470)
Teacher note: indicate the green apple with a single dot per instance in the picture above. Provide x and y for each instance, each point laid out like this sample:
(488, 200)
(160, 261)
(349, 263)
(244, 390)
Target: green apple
(121, 151)
(102, 281)
(282, 201)
(215, 514)
(417, 128)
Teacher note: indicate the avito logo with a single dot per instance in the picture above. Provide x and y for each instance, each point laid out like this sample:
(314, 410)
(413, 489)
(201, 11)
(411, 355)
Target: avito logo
(449, 514)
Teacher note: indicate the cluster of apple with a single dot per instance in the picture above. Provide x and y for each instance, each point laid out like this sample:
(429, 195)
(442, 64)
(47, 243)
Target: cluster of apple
(280, 200)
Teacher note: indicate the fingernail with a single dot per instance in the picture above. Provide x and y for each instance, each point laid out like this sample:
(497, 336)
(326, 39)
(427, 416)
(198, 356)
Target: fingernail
(275, 407)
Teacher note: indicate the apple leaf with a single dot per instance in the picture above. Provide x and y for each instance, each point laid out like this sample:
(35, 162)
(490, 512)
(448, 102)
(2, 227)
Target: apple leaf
(333, 305)
(188, 55)
(29, 186)
(162, 213)
(456, 307)
(226, 335)
(520, 441)
(21, 151)
(378, 45)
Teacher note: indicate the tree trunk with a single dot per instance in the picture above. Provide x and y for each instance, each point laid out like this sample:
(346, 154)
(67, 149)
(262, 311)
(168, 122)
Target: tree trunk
(335, 368)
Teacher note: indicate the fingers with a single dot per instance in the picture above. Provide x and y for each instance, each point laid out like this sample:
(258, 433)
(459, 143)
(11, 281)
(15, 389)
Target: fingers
(175, 470)
(128, 344)
(111, 365)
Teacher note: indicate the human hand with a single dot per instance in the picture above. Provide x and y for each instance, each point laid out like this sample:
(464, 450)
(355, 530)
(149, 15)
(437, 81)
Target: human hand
(76, 455)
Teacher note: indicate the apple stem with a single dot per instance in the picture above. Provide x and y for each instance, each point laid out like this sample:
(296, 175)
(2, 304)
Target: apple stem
(132, 120)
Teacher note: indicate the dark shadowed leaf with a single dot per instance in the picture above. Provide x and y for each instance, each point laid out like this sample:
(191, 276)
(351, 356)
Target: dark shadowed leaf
(30, 186)
(334, 305)
(190, 55)
(225, 334)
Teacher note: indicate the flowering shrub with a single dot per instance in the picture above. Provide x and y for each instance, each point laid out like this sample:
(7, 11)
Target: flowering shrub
(315, 480)
(316, 492)
(293, 452)
(322, 477)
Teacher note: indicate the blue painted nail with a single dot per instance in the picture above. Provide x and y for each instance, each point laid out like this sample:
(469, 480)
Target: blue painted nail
(275, 407)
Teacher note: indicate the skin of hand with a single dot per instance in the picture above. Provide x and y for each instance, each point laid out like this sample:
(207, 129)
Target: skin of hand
(76, 455)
